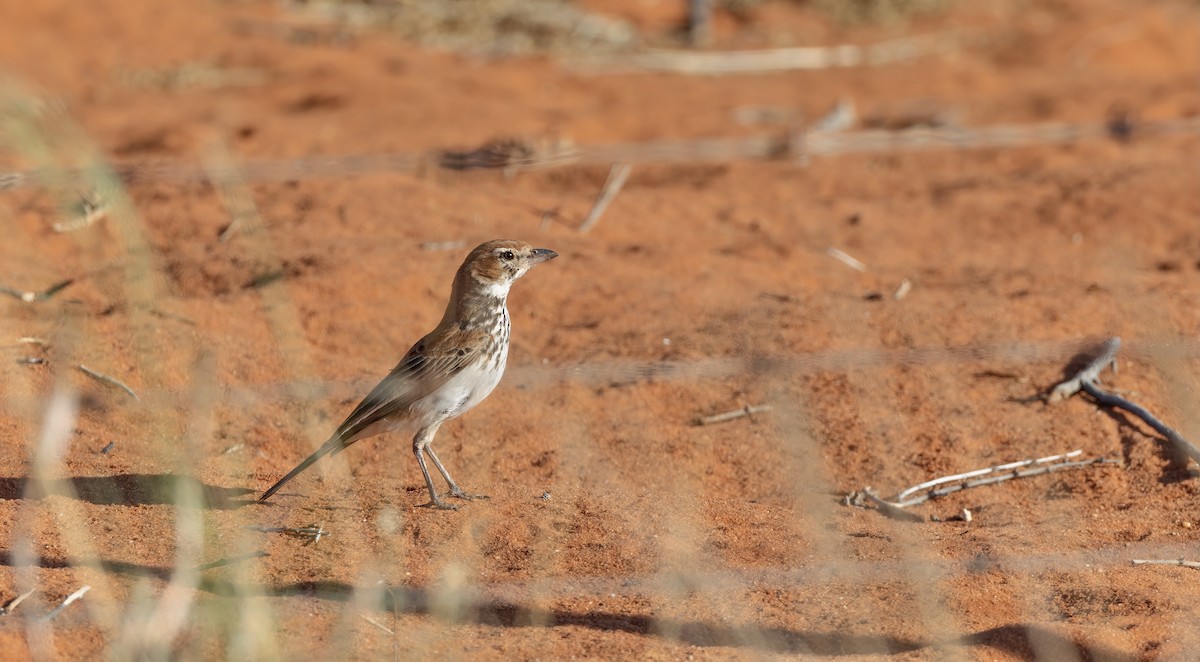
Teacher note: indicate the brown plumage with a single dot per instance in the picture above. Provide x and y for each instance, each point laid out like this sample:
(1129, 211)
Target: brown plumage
(447, 372)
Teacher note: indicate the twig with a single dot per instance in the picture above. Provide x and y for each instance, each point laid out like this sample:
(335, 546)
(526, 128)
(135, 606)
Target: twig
(65, 603)
(88, 212)
(1179, 562)
(11, 606)
(612, 186)
(1089, 373)
(715, 63)
(172, 316)
(887, 508)
(1112, 400)
(977, 478)
(845, 259)
(312, 532)
(111, 381)
(1086, 379)
(372, 622)
(748, 410)
(33, 297)
(1013, 467)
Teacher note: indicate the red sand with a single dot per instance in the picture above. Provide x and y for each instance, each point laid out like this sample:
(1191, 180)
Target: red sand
(659, 539)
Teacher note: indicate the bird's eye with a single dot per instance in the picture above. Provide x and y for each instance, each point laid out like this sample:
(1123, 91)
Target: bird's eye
(508, 256)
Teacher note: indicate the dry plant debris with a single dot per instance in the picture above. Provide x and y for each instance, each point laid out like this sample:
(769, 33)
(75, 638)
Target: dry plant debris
(1087, 380)
(1178, 562)
(944, 485)
(107, 379)
(311, 533)
(748, 410)
(612, 186)
(67, 602)
(11, 606)
(34, 297)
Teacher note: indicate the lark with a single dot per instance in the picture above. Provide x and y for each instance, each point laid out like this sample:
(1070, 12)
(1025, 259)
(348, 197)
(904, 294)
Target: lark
(447, 372)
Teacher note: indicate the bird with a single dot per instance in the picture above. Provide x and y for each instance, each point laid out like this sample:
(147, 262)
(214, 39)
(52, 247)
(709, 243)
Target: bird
(447, 372)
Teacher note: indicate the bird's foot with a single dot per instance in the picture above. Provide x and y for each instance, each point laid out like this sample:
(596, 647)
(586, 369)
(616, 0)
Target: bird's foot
(438, 504)
(457, 493)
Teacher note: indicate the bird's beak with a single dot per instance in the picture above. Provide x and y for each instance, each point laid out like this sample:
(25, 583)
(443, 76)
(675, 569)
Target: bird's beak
(542, 254)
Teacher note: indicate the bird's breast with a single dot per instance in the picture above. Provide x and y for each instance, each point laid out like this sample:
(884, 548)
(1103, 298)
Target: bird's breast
(465, 389)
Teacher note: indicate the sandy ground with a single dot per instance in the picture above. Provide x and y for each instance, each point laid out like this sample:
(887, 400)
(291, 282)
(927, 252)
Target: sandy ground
(617, 529)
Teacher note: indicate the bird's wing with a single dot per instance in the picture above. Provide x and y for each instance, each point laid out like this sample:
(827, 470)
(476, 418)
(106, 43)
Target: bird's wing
(426, 367)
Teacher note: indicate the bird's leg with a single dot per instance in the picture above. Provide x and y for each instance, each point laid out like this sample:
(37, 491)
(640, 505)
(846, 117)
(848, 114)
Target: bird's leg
(455, 490)
(420, 445)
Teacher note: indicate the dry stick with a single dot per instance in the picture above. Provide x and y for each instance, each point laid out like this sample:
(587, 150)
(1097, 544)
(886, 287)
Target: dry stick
(1085, 380)
(88, 213)
(1090, 373)
(111, 381)
(1111, 400)
(376, 624)
(977, 478)
(901, 497)
(33, 297)
(715, 63)
(748, 410)
(312, 531)
(846, 259)
(612, 186)
(1016, 473)
(65, 603)
(11, 606)
(1179, 562)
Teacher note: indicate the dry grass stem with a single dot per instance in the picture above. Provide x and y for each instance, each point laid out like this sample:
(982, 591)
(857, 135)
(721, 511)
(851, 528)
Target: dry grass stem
(67, 602)
(846, 259)
(1178, 562)
(11, 606)
(377, 624)
(612, 186)
(106, 379)
(311, 533)
(84, 215)
(944, 485)
(718, 63)
(748, 410)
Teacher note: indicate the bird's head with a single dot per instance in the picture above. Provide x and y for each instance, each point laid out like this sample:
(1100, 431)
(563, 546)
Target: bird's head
(494, 265)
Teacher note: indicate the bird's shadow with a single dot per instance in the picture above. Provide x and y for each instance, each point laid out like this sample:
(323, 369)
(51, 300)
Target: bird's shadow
(1020, 640)
(130, 490)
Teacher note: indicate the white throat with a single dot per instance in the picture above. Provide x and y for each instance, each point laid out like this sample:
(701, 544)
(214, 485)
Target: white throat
(498, 290)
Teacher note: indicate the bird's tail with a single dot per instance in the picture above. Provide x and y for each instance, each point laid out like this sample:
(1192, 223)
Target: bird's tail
(335, 444)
